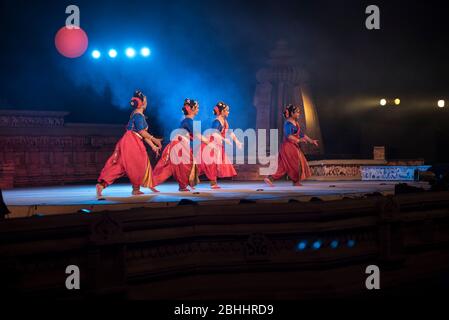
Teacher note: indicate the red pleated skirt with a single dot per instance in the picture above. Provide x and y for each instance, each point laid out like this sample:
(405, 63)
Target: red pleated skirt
(292, 162)
(215, 163)
(130, 158)
(177, 161)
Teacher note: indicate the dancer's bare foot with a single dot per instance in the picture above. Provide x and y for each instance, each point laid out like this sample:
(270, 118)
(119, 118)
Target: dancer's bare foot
(154, 190)
(297, 184)
(268, 182)
(183, 189)
(137, 192)
(214, 185)
(99, 187)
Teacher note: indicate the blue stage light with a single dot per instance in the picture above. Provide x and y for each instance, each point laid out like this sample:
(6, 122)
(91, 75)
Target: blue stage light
(130, 52)
(334, 244)
(112, 53)
(351, 243)
(316, 245)
(145, 51)
(302, 245)
(96, 54)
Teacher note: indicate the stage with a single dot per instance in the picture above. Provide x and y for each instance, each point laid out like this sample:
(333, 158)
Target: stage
(38, 201)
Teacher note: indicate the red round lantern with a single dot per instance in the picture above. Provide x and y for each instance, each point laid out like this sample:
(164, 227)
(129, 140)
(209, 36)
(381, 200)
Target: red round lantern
(71, 42)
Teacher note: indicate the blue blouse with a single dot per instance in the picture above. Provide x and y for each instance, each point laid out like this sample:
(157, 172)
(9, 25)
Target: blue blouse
(216, 124)
(137, 122)
(187, 124)
(290, 128)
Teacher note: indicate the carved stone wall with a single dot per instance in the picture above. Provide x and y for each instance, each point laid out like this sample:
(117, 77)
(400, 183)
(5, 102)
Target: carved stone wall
(38, 148)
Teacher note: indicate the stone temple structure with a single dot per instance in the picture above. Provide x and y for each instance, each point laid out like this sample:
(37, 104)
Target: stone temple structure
(280, 82)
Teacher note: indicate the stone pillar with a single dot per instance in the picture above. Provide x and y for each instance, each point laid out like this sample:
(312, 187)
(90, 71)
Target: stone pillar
(282, 82)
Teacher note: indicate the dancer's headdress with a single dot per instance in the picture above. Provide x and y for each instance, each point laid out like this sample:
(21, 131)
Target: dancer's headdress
(289, 110)
(189, 104)
(219, 107)
(137, 99)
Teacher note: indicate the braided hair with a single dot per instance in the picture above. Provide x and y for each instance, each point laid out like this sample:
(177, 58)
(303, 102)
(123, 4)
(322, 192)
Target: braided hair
(289, 110)
(137, 99)
(219, 107)
(189, 104)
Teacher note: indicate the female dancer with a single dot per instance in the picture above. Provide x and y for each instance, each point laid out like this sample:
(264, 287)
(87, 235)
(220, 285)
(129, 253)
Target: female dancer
(130, 155)
(177, 158)
(217, 163)
(291, 160)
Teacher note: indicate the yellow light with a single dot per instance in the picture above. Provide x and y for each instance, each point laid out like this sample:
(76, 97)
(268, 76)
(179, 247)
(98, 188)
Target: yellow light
(441, 103)
(383, 102)
(397, 101)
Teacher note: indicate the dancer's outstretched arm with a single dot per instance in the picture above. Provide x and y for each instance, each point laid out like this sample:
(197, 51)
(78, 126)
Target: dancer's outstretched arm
(307, 139)
(236, 140)
(202, 138)
(148, 138)
(156, 141)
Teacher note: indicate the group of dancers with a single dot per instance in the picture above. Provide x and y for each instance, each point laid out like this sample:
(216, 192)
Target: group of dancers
(130, 156)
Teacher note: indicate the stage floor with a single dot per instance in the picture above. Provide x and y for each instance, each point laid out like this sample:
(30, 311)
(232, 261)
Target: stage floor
(26, 202)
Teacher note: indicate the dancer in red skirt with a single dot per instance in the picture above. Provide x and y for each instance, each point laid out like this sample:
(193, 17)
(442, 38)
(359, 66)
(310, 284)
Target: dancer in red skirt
(215, 163)
(291, 160)
(177, 158)
(130, 155)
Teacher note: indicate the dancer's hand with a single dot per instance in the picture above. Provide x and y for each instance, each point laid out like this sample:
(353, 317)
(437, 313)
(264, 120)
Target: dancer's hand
(315, 142)
(155, 150)
(158, 142)
(239, 145)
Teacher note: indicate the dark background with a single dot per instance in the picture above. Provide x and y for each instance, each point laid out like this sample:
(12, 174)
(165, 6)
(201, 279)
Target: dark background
(211, 50)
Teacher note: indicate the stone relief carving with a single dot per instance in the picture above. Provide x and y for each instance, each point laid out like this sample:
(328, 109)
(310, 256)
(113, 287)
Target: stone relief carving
(391, 173)
(335, 170)
(27, 121)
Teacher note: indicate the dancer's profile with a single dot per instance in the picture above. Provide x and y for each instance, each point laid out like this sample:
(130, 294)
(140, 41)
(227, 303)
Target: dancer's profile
(130, 156)
(291, 159)
(217, 164)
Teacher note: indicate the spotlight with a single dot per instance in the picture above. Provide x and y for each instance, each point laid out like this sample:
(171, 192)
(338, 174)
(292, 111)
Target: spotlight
(334, 244)
(383, 102)
(184, 202)
(397, 101)
(302, 245)
(441, 103)
(130, 53)
(145, 51)
(351, 243)
(112, 53)
(316, 245)
(96, 54)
